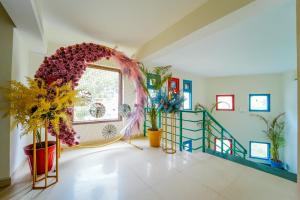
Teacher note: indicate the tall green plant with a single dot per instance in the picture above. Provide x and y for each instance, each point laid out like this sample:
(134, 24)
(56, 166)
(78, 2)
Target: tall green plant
(275, 133)
(208, 122)
(165, 75)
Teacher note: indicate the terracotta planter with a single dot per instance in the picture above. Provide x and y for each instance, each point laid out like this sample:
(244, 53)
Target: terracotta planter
(154, 137)
(40, 156)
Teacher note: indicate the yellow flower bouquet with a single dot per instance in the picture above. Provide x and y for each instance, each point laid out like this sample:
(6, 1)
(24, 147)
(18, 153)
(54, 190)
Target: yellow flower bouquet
(32, 105)
(36, 105)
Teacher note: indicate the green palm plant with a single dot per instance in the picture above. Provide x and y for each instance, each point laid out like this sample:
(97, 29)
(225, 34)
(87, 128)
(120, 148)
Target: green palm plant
(275, 133)
(165, 75)
(208, 122)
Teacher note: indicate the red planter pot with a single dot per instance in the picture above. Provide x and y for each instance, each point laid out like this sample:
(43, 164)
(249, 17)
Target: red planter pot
(40, 156)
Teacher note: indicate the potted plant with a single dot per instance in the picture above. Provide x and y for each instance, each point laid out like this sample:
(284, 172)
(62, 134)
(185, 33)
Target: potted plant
(275, 133)
(162, 76)
(36, 104)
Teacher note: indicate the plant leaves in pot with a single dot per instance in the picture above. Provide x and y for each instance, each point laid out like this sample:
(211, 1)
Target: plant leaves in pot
(162, 75)
(275, 133)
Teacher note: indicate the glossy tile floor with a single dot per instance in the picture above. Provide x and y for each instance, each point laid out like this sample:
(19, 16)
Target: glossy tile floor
(120, 171)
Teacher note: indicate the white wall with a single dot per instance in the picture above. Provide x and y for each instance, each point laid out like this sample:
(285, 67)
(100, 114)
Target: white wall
(290, 108)
(240, 123)
(245, 127)
(199, 88)
(24, 64)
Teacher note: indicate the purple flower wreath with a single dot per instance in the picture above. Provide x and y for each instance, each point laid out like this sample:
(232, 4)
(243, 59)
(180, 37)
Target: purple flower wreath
(69, 63)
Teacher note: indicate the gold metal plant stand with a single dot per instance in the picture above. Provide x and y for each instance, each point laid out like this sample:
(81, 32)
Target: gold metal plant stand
(35, 178)
(169, 138)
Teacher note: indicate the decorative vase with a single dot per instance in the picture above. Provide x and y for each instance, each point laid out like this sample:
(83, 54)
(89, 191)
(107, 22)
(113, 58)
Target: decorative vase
(276, 164)
(154, 137)
(40, 157)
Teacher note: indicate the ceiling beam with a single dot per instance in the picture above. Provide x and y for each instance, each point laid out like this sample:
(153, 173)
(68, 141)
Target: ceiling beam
(26, 17)
(204, 15)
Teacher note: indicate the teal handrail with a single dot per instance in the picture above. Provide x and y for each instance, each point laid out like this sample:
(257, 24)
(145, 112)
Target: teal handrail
(219, 132)
(224, 129)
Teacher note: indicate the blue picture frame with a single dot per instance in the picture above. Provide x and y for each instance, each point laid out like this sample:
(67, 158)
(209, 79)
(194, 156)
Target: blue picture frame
(254, 157)
(268, 109)
(188, 87)
(187, 145)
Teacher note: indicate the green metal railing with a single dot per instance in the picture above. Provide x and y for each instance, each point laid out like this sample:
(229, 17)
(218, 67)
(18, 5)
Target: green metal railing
(201, 131)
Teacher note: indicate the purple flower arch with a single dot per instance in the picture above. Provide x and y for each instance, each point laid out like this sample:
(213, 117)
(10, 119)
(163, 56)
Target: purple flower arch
(69, 63)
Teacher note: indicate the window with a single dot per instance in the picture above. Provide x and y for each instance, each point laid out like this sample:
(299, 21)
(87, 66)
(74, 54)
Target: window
(225, 102)
(152, 79)
(259, 150)
(102, 87)
(187, 92)
(227, 145)
(259, 102)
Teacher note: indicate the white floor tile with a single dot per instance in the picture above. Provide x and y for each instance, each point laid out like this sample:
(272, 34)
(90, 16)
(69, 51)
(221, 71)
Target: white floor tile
(121, 171)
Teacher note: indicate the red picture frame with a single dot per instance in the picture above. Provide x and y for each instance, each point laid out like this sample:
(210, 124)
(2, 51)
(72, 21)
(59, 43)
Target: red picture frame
(225, 95)
(230, 144)
(173, 84)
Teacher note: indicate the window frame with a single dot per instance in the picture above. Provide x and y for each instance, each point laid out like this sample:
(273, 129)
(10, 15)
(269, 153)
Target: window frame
(269, 150)
(190, 91)
(225, 95)
(120, 99)
(268, 101)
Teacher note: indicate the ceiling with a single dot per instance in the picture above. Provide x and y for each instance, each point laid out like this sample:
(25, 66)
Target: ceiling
(129, 23)
(257, 39)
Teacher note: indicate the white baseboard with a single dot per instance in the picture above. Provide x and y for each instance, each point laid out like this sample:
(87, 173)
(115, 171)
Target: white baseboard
(4, 182)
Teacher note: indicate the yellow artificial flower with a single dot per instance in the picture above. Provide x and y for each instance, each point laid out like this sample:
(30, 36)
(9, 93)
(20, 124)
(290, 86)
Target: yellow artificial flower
(32, 105)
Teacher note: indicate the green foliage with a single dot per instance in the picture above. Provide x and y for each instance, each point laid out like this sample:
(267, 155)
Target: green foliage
(275, 133)
(165, 75)
(210, 109)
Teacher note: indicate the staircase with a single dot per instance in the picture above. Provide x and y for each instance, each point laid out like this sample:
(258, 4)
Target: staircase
(199, 131)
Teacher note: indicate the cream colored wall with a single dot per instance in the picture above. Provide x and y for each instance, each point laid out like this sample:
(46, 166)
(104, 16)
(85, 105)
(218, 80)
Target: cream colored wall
(243, 126)
(6, 41)
(290, 108)
(24, 64)
(240, 123)
(298, 85)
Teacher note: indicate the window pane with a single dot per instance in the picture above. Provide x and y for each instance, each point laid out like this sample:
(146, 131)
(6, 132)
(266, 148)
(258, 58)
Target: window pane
(225, 102)
(103, 85)
(187, 101)
(259, 150)
(259, 102)
(226, 145)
